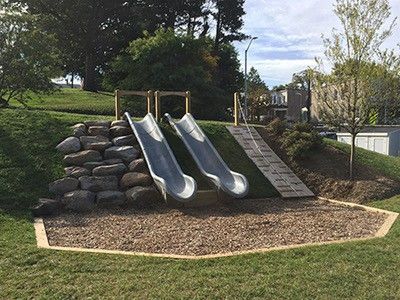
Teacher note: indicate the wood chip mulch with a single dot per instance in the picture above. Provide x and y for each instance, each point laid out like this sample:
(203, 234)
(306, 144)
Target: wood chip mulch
(242, 225)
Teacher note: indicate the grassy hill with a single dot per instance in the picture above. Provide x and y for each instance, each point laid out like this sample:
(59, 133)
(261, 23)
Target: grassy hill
(28, 162)
(73, 101)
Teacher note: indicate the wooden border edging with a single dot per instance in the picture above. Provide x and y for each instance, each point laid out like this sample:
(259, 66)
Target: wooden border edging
(42, 241)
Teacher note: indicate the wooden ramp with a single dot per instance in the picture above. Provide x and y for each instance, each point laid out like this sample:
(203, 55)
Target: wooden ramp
(273, 168)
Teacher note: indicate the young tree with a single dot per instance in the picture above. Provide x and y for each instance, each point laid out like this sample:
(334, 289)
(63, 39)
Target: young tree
(346, 95)
(258, 93)
(28, 57)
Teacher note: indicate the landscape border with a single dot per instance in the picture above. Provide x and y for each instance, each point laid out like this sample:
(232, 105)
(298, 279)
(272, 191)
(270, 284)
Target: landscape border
(42, 240)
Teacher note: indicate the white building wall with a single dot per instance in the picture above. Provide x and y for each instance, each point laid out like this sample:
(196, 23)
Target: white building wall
(370, 142)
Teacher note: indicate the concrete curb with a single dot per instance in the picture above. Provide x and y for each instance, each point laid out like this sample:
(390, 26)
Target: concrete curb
(42, 241)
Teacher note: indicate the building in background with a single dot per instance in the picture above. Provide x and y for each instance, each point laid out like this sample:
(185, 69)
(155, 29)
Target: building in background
(286, 104)
(381, 139)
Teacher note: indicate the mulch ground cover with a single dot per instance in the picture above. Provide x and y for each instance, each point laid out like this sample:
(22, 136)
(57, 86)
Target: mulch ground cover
(238, 226)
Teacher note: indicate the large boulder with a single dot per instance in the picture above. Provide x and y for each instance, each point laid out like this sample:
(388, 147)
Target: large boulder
(79, 158)
(80, 126)
(135, 179)
(97, 184)
(116, 131)
(64, 185)
(112, 161)
(142, 196)
(100, 146)
(93, 164)
(126, 153)
(76, 172)
(110, 198)
(98, 130)
(79, 200)
(138, 165)
(116, 169)
(120, 123)
(93, 139)
(98, 123)
(46, 207)
(126, 140)
(69, 145)
(79, 133)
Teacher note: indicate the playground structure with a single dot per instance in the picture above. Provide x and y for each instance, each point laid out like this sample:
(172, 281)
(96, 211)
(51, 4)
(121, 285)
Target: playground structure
(163, 166)
(166, 171)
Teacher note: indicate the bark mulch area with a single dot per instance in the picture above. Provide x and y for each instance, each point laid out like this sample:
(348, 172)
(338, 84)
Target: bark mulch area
(326, 174)
(242, 225)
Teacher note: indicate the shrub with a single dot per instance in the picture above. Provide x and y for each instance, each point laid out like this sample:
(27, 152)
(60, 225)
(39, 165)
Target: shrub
(302, 141)
(277, 126)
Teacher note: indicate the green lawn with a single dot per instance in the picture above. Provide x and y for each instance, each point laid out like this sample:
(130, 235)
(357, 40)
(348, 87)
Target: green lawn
(387, 165)
(74, 101)
(28, 162)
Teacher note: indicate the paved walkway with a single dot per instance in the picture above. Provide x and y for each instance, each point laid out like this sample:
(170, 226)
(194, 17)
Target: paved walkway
(273, 168)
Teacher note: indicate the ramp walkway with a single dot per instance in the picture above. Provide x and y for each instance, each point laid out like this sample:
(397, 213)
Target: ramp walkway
(273, 168)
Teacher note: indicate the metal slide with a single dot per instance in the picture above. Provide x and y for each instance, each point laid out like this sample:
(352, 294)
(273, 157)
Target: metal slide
(208, 159)
(164, 168)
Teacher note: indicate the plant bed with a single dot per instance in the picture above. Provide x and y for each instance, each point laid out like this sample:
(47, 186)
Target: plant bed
(325, 172)
(241, 226)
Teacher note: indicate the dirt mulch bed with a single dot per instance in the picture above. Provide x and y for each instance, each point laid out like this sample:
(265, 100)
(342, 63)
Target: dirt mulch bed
(244, 225)
(326, 174)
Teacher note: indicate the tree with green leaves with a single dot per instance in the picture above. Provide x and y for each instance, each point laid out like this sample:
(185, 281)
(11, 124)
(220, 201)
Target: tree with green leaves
(258, 93)
(228, 17)
(167, 61)
(346, 95)
(28, 57)
(90, 32)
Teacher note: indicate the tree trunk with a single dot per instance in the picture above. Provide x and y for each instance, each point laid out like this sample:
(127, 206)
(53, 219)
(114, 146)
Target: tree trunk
(89, 82)
(352, 155)
(309, 95)
(218, 32)
(72, 80)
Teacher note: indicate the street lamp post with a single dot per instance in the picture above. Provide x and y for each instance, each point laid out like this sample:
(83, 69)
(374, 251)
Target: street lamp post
(245, 78)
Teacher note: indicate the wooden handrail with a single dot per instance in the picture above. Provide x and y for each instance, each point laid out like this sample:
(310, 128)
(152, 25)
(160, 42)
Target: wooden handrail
(119, 93)
(159, 94)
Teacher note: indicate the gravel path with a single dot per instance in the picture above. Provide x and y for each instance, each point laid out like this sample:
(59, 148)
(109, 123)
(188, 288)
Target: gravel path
(244, 225)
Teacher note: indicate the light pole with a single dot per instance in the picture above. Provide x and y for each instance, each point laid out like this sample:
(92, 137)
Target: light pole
(245, 77)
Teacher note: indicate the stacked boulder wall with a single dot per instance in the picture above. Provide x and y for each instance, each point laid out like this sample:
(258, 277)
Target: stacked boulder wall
(103, 168)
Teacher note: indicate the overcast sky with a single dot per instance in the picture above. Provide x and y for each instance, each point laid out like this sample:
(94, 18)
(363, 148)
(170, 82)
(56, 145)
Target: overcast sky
(289, 35)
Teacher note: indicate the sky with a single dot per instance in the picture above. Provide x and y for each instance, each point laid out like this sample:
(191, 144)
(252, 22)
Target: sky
(289, 35)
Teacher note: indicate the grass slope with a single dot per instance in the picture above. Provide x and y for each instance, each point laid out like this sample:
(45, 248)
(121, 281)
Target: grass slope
(74, 101)
(387, 165)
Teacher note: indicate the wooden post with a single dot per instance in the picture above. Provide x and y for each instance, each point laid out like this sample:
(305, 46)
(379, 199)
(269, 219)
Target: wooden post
(157, 105)
(188, 103)
(149, 98)
(117, 105)
(236, 108)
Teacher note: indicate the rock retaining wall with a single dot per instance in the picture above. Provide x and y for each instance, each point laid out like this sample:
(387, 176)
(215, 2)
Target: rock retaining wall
(103, 167)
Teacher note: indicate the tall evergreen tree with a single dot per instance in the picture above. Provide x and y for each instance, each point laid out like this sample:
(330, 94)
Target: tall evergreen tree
(88, 31)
